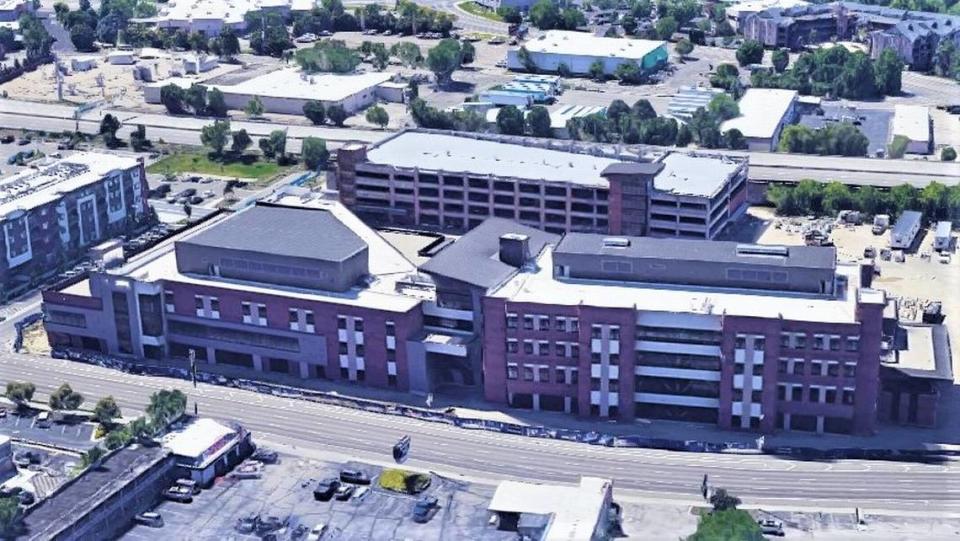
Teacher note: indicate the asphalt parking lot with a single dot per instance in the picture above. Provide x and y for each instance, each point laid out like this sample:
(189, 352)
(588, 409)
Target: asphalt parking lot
(70, 435)
(286, 491)
(7, 150)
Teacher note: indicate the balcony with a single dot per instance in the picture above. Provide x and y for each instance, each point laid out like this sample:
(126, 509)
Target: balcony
(432, 309)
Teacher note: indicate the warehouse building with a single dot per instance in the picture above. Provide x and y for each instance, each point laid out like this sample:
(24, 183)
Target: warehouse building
(913, 123)
(453, 182)
(286, 91)
(51, 215)
(763, 114)
(744, 336)
(579, 50)
(211, 16)
(555, 512)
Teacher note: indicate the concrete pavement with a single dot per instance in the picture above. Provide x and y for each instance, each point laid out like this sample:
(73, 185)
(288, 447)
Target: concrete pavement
(879, 487)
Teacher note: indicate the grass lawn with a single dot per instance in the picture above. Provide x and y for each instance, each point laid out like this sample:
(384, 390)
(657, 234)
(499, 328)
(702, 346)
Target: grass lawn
(474, 8)
(403, 481)
(246, 166)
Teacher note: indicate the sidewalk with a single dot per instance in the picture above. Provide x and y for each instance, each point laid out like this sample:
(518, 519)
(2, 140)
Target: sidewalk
(468, 403)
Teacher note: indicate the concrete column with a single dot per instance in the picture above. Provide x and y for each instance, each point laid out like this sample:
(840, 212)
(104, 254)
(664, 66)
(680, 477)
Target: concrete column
(211, 355)
(566, 404)
(304, 370)
(258, 363)
(536, 401)
(819, 424)
(786, 421)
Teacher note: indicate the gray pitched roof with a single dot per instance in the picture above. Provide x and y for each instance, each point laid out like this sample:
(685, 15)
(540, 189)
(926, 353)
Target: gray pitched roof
(695, 250)
(283, 231)
(474, 258)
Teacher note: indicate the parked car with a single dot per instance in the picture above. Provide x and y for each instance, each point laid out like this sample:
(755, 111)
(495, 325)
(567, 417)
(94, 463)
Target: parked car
(768, 526)
(188, 484)
(43, 420)
(325, 489)
(870, 252)
(247, 524)
(266, 456)
(195, 200)
(356, 477)
(188, 192)
(207, 194)
(7, 139)
(361, 494)
(344, 492)
(150, 518)
(23, 141)
(316, 534)
(423, 509)
(178, 494)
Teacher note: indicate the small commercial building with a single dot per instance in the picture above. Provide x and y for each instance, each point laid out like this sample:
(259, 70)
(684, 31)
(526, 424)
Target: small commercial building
(905, 231)
(555, 512)
(206, 448)
(943, 236)
(286, 91)
(199, 63)
(579, 50)
(763, 114)
(913, 122)
(122, 58)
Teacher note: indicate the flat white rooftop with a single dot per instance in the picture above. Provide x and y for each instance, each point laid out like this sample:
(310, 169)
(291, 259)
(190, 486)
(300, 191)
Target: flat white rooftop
(196, 438)
(761, 112)
(443, 152)
(560, 116)
(230, 13)
(564, 42)
(576, 510)
(539, 286)
(690, 174)
(294, 84)
(32, 188)
(383, 290)
(753, 6)
(912, 122)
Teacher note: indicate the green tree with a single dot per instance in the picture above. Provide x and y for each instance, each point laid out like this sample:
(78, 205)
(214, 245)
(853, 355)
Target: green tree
(721, 500)
(106, 410)
(510, 14)
(666, 27)
(65, 398)
(538, 122)
(172, 97)
(888, 71)
(314, 153)
(93, 457)
(617, 109)
(897, 147)
(545, 15)
(684, 137)
(274, 145)
(241, 141)
(750, 52)
(729, 525)
(216, 106)
(948, 154)
(20, 392)
(467, 53)
(380, 57)
(627, 72)
(328, 55)
(408, 53)
(837, 197)
(166, 406)
(197, 99)
(780, 59)
(596, 71)
(138, 138)
(11, 517)
(378, 115)
(108, 129)
(683, 47)
(443, 60)
(254, 107)
(216, 136)
(83, 36)
(723, 106)
(510, 120)
(337, 115)
(315, 112)
(228, 43)
(734, 140)
(572, 18)
(643, 110)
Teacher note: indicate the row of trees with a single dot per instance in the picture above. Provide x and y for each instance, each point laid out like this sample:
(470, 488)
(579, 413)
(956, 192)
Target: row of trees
(64, 398)
(106, 24)
(836, 72)
(218, 136)
(835, 139)
(936, 201)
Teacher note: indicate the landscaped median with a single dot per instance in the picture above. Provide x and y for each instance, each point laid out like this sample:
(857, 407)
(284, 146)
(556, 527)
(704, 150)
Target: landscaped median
(404, 481)
(474, 8)
(244, 166)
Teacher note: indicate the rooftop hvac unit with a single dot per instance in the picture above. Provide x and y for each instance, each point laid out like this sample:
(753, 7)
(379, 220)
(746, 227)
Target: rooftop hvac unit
(616, 242)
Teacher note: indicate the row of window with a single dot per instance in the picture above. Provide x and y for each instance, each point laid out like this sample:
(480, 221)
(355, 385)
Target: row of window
(817, 394)
(542, 323)
(542, 348)
(569, 375)
(820, 342)
(798, 367)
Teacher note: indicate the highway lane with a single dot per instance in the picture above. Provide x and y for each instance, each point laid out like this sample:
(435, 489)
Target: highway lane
(759, 480)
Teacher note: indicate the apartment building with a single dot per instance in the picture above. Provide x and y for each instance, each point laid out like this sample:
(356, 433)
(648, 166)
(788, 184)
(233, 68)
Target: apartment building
(449, 181)
(49, 216)
(744, 336)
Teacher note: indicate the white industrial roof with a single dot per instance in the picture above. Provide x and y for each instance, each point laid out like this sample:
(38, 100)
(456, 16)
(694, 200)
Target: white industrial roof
(435, 151)
(383, 290)
(230, 12)
(576, 510)
(560, 116)
(538, 285)
(565, 42)
(692, 174)
(753, 6)
(761, 112)
(912, 122)
(32, 188)
(292, 83)
(944, 228)
(196, 438)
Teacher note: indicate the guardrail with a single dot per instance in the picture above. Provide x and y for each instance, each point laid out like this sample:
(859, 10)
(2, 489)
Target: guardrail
(533, 431)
